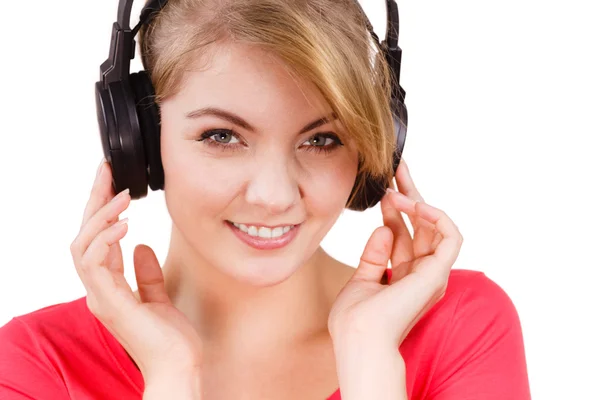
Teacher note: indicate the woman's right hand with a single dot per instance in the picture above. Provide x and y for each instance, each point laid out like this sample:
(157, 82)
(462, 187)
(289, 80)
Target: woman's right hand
(158, 337)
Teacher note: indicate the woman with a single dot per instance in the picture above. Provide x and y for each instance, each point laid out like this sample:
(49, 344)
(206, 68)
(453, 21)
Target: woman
(247, 304)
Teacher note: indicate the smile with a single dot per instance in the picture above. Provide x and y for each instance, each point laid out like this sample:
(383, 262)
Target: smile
(264, 238)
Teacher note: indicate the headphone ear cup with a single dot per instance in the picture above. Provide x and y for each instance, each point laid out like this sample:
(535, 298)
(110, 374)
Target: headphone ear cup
(371, 193)
(400, 127)
(149, 122)
(120, 136)
(374, 188)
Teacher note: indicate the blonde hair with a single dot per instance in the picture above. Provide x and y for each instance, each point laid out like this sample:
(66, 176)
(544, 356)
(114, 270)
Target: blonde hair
(323, 41)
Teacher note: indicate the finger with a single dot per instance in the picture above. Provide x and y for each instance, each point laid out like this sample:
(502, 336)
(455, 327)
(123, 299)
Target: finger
(107, 291)
(375, 256)
(427, 283)
(394, 220)
(402, 249)
(95, 254)
(405, 182)
(423, 233)
(115, 258)
(149, 276)
(424, 230)
(448, 248)
(101, 193)
(100, 221)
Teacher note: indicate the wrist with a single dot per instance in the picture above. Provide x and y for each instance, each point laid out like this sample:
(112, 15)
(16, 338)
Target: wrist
(174, 384)
(370, 369)
(349, 340)
(351, 352)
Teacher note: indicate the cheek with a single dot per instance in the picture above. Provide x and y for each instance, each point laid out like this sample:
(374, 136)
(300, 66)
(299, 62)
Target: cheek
(328, 185)
(197, 188)
(328, 189)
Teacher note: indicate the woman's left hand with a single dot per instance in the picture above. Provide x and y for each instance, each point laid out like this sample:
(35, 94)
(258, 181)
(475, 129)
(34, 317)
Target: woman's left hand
(373, 310)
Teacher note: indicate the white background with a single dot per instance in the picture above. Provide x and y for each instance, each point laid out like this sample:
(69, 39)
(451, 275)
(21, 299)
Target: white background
(503, 102)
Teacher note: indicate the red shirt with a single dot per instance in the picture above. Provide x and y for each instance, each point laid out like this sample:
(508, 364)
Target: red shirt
(469, 346)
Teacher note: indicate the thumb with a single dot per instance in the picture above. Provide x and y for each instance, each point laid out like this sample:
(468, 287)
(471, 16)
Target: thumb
(149, 276)
(375, 257)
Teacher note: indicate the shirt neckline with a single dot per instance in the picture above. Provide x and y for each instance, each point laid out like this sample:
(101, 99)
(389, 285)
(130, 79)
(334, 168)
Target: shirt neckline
(127, 367)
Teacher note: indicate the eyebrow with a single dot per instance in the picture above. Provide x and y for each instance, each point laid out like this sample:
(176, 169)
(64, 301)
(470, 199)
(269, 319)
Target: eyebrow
(237, 120)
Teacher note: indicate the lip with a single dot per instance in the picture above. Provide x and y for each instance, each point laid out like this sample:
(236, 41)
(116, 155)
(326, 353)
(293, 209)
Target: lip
(263, 243)
(266, 226)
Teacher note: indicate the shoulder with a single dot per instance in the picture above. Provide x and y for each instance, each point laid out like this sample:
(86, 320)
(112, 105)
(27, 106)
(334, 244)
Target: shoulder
(30, 348)
(480, 299)
(473, 302)
(56, 320)
(45, 327)
(473, 340)
(462, 280)
(470, 291)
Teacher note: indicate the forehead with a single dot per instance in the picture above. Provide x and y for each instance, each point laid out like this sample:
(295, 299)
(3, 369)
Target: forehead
(251, 80)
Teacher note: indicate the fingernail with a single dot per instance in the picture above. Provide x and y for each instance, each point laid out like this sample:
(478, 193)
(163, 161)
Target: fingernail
(121, 194)
(398, 198)
(394, 195)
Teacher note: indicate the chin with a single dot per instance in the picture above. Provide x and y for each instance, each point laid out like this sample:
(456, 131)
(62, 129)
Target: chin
(265, 275)
(259, 271)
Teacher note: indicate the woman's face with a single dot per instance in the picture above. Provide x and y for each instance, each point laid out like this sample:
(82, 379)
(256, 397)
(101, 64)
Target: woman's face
(257, 161)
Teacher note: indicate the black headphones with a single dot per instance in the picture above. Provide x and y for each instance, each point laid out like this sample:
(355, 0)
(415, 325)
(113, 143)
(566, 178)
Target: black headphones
(129, 119)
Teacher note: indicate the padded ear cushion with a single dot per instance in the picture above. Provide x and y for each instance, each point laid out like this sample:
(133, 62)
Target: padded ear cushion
(400, 127)
(149, 120)
(121, 141)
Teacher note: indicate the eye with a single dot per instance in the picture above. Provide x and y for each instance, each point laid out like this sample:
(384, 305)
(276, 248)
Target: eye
(221, 139)
(222, 136)
(324, 142)
(320, 140)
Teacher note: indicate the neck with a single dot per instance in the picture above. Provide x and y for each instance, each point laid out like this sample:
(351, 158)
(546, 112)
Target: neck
(234, 316)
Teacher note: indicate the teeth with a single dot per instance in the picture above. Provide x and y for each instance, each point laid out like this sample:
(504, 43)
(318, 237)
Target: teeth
(277, 232)
(262, 231)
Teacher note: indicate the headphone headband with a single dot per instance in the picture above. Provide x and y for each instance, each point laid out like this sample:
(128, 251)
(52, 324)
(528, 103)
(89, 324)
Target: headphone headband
(122, 45)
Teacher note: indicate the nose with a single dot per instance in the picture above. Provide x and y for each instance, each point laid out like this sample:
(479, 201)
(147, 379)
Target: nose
(272, 186)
